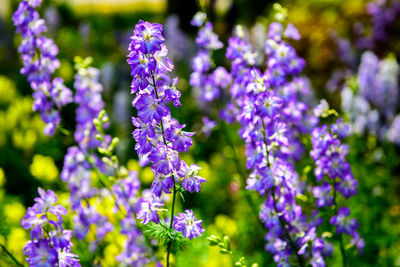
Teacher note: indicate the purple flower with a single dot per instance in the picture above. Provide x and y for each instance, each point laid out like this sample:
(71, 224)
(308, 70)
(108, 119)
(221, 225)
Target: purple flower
(181, 140)
(322, 193)
(67, 259)
(149, 109)
(127, 190)
(148, 207)
(40, 253)
(90, 103)
(165, 160)
(393, 133)
(141, 66)
(260, 180)
(162, 183)
(207, 86)
(45, 203)
(60, 93)
(191, 181)
(201, 62)
(291, 32)
(358, 242)
(172, 93)
(221, 77)
(187, 224)
(340, 128)
(347, 187)
(160, 138)
(208, 126)
(207, 38)
(343, 223)
(147, 37)
(198, 19)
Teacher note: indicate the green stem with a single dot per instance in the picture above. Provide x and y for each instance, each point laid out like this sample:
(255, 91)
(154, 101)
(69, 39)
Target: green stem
(11, 256)
(161, 123)
(342, 250)
(171, 221)
(173, 178)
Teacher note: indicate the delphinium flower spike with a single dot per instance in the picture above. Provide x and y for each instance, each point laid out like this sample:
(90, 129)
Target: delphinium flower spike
(80, 160)
(206, 80)
(50, 243)
(159, 137)
(370, 97)
(273, 113)
(39, 54)
(330, 157)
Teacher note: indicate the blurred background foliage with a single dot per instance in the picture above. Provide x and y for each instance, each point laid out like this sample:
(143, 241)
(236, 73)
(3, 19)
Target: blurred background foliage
(101, 29)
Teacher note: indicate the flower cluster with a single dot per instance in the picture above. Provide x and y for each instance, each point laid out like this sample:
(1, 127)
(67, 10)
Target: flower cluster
(81, 160)
(371, 103)
(159, 137)
(206, 82)
(39, 63)
(329, 155)
(48, 248)
(378, 82)
(90, 103)
(383, 19)
(272, 112)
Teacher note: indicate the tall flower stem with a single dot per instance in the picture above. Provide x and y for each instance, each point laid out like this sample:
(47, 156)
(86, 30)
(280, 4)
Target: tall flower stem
(174, 191)
(171, 221)
(11, 256)
(281, 221)
(341, 243)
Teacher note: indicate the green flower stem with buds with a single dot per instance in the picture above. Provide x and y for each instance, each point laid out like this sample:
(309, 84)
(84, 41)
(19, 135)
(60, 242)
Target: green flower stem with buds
(225, 248)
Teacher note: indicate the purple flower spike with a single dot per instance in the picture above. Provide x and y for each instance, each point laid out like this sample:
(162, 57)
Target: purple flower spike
(39, 57)
(48, 247)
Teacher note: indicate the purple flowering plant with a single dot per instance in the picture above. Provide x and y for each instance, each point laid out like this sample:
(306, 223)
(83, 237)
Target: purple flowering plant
(39, 57)
(160, 138)
(280, 124)
(278, 119)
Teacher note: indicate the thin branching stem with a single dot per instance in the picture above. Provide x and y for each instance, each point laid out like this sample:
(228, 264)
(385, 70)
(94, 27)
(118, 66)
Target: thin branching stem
(341, 243)
(171, 221)
(169, 246)
(11, 256)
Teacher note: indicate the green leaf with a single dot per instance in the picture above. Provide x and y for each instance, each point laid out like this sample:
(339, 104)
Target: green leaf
(213, 240)
(227, 242)
(161, 233)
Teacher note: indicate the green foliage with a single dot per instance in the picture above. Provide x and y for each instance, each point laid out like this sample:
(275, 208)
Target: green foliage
(224, 244)
(108, 152)
(170, 238)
